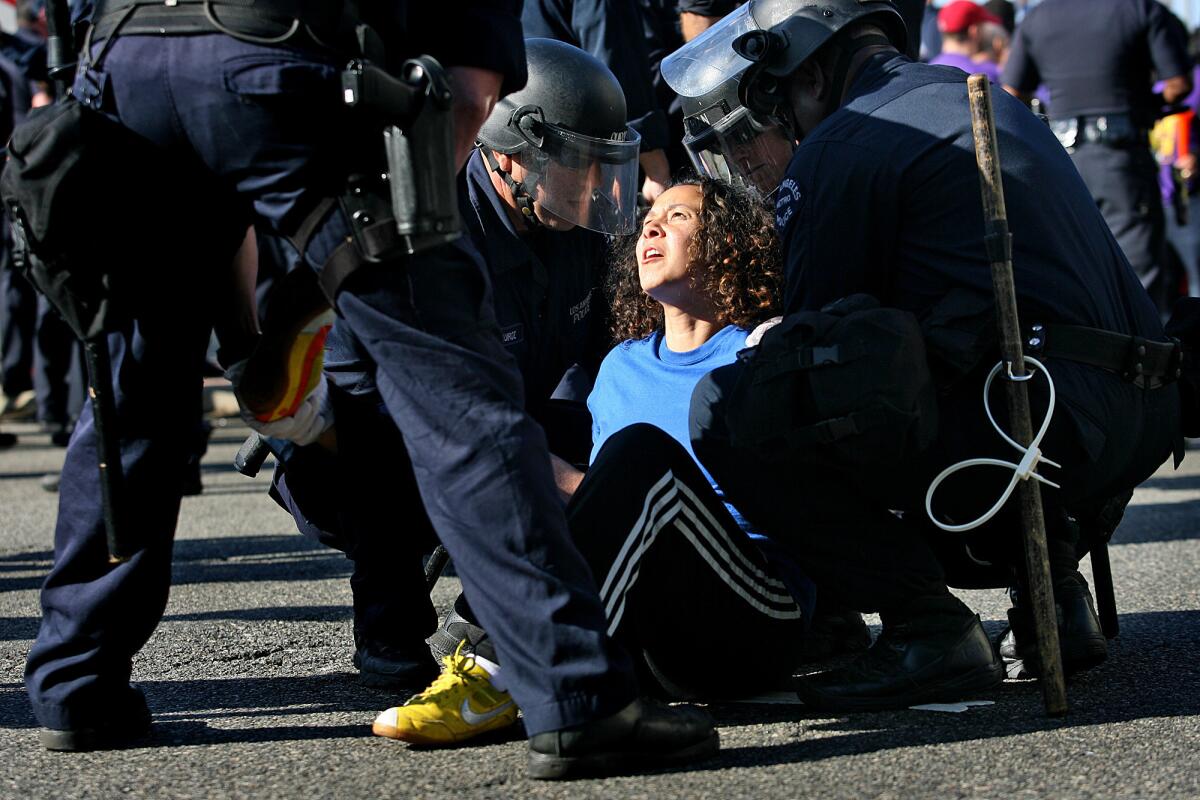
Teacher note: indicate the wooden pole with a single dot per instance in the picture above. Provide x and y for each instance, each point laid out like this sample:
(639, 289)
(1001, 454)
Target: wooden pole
(999, 248)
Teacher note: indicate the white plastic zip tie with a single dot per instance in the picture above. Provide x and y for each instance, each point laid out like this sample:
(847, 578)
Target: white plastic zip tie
(1030, 456)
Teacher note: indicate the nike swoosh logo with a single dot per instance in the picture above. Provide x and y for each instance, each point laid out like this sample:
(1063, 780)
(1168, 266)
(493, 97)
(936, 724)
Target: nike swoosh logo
(471, 718)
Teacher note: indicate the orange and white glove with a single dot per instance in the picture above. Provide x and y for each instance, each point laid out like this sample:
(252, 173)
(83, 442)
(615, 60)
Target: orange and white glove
(312, 417)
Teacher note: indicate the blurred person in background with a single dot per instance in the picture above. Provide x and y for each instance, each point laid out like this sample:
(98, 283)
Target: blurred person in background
(994, 44)
(1099, 59)
(1175, 139)
(964, 27)
(697, 16)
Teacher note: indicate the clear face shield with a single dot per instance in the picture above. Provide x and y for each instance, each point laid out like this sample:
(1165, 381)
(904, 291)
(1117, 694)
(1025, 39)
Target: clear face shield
(724, 139)
(740, 147)
(583, 180)
(708, 61)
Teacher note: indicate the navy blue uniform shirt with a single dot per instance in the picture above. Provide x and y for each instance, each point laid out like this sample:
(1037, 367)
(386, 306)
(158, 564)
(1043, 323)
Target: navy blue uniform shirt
(883, 198)
(547, 287)
(1097, 56)
(611, 30)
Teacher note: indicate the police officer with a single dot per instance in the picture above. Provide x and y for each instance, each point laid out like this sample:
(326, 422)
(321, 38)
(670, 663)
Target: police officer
(546, 258)
(877, 199)
(1099, 59)
(611, 30)
(183, 76)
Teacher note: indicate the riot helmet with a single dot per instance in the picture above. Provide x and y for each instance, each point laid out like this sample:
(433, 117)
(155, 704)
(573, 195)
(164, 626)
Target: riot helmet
(728, 80)
(567, 129)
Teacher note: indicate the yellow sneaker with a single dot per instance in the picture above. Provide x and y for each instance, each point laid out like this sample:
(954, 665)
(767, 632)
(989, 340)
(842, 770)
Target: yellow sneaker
(459, 705)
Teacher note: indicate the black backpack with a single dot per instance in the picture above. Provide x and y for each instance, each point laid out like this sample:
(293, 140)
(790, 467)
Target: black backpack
(104, 220)
(846, 386)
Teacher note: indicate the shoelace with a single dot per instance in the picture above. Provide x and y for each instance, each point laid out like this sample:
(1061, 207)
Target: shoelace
(458, 669)
(1030, 456)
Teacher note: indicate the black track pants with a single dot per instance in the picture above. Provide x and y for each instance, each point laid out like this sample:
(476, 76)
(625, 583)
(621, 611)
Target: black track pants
(681, 583)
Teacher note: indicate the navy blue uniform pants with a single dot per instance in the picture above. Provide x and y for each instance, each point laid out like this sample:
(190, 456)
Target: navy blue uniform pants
(376, 515)
(1124, 183)
(865, 557)
(269, 120)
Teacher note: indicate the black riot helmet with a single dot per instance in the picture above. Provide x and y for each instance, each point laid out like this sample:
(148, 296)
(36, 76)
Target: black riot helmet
(778, 52)
(568, 129)
(731, 116)
(790, 42)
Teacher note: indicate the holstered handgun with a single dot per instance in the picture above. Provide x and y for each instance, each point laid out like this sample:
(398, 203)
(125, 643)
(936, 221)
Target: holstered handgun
(416, 111)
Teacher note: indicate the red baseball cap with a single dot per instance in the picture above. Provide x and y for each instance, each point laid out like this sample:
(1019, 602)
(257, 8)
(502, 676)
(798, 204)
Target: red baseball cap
(962, 14)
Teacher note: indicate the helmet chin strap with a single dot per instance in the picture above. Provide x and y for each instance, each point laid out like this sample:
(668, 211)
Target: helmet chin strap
(517, 189)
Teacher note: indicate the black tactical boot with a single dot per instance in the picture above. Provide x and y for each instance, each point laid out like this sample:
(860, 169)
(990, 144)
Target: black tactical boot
(643, 735)
(389, 628)
(834, 631)
(381, 666)
(121, 726)
(936, 652)
(1080, 637)
(387, 664)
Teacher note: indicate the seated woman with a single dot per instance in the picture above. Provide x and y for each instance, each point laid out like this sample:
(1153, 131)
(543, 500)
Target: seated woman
(686, 584)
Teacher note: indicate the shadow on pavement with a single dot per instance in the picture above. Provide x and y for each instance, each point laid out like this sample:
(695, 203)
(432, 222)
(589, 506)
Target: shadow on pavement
(1159, 522)
(1173, 483)
(270, 613)
(189, 702)
(13, 629)
(1152, 672)
(224, 559)
(219, 559)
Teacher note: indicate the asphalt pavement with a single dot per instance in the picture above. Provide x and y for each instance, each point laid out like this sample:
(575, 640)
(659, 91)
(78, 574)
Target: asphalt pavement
(253, 693)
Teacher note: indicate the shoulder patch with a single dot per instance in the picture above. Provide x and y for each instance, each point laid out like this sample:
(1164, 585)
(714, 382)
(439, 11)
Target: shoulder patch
(787, 202)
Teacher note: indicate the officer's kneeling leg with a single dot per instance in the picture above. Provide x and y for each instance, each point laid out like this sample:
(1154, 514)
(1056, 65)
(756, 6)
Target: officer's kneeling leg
(363, 501)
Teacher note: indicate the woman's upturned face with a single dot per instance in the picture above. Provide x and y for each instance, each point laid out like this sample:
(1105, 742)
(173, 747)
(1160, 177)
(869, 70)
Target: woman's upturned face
(662, 248)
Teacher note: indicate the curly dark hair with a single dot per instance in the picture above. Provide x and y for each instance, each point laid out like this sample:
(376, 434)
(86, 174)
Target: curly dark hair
(735, 259)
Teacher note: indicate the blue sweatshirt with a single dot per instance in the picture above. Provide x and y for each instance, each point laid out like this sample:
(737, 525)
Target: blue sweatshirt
(643, 381)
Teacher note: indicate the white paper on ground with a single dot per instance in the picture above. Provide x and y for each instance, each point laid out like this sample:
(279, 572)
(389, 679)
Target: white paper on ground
(952, 708)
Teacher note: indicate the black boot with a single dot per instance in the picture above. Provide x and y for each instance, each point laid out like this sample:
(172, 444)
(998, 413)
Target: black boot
(391, 621)
(1080, 637)
(124, 724)
(643, 735)
(384, 663)
(936, 652)
(835, 631)
(381, 666)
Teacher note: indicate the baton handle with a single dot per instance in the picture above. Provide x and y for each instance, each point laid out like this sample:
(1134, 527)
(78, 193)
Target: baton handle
(108, 450)
(251, 455)
(998, 242)
(433, 568)
(60, 47)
